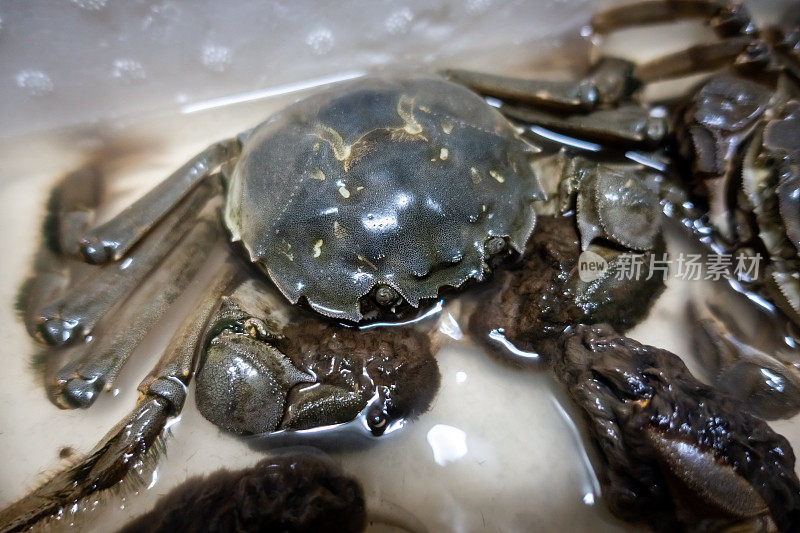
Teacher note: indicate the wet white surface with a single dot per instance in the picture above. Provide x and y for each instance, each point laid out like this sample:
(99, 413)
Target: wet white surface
(497, 448)
(497, 451)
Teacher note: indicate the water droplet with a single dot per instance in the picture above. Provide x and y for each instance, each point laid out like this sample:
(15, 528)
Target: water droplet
(215, 58)
(399, 21)
(127, 70)
(34, 82)
(90, 5)
(320, 41)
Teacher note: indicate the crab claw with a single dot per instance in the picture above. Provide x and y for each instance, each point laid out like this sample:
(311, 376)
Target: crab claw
(782, 139)
(672, 450)
(243, 384)
(262, 372)
(766, 379)
(618, 204)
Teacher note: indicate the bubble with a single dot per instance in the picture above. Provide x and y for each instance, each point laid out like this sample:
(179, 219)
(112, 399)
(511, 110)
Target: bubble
(215, 58)
(34, 82)
(320, 41)
(478, 6)
(90, 5)
(399, 21)
(161, 22)
(127, 70)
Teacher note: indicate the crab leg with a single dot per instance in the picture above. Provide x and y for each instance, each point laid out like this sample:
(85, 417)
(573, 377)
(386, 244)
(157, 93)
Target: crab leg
(726, 19)
(694, 59)
(71, 207)
(626, 125)
(78, 383)
(613, 77)
(786, 45)
(125, 447)
(563, 95)
(178, 360)
(112, 240)
(77, 311)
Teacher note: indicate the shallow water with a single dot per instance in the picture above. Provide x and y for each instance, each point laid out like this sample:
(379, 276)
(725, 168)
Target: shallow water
(499, 449)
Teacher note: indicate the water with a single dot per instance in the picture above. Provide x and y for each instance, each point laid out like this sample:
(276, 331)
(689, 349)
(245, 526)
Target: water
(499, 450)
(497, 446)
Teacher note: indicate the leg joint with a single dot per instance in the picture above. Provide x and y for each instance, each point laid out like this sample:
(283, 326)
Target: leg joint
(171, 389)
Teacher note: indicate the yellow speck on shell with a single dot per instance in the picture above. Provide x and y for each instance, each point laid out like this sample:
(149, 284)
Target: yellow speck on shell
(341, 150)
(496, 175)
(367, 261)
(318, 175)
(405, 109)
(318, 248)
(447, 127)
(476, 176)
(338, 230)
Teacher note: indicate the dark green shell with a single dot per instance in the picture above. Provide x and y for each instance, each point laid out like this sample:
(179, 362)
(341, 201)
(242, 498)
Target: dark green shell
(383, 180)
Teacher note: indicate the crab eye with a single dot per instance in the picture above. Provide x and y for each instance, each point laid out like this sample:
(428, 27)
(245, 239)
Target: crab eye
(494, 245)
(377, 421)
(386, 295)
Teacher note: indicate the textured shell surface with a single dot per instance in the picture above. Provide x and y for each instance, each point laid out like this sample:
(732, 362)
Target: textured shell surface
(392, 180)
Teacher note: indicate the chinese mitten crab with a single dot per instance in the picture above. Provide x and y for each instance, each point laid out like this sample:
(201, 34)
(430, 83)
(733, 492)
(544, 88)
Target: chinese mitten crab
(672, 451)
(365, 202)
(361, 202)
(737, 136)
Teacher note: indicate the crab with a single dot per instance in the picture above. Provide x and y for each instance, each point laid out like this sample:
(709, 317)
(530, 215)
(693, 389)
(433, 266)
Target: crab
(352, 211)
(650, 419)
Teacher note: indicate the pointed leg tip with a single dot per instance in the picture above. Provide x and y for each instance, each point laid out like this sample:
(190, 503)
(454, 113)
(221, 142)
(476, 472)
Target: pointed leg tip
(95, 251)
(79, 393)
(57, 332)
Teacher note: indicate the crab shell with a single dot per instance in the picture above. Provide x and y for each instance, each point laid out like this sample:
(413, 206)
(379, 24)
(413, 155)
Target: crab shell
(771, 188)
(386, 181)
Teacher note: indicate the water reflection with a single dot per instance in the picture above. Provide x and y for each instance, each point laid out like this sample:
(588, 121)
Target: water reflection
(447, 443)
